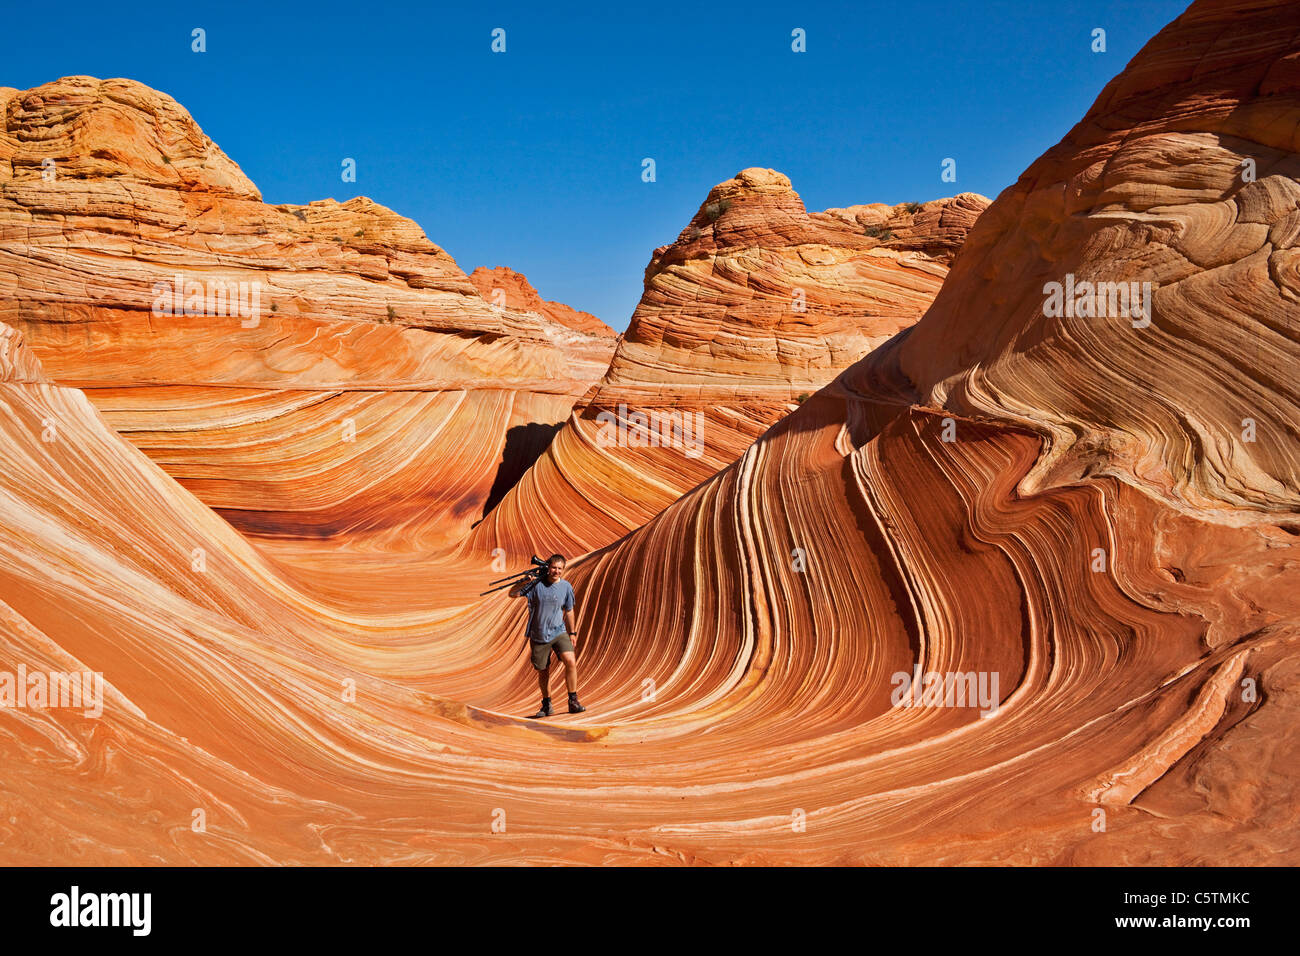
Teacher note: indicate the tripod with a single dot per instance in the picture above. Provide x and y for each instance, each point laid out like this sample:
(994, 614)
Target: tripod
(535, 571)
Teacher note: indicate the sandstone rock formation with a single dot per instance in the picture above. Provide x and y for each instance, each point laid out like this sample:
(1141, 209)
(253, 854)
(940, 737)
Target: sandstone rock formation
(339, 362)
(755, 306)
(517, 294)
(1095, 505)
(1068, 502)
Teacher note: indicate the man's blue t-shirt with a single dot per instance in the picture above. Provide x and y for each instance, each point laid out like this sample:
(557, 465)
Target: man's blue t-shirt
(546, 606)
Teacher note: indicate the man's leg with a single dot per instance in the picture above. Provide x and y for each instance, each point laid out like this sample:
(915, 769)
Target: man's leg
(570, 670)
(541, 654)
(571, 678)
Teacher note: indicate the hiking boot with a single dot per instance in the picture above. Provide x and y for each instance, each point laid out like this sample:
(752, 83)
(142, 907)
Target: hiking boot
(546, 708)
(574, 706)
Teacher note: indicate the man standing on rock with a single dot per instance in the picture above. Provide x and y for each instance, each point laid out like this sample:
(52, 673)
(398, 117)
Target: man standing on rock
(551, 628)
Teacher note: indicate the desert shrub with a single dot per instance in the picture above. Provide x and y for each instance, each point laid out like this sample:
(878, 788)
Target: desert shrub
(715, 209)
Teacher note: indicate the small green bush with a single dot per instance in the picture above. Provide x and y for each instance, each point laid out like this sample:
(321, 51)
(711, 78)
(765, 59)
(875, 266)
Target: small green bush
(911, 207)
(715, 209)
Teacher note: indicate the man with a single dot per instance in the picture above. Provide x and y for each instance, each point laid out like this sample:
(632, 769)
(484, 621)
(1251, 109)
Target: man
(549, 598)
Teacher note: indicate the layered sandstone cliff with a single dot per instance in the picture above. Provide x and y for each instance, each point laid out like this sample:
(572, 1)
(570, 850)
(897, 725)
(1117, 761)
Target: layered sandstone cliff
(1086, 513)
(504, 287)
(1057, 507)
(755, 306)
(300, 368)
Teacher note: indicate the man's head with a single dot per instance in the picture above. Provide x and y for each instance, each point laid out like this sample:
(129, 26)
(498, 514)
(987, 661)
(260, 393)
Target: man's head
(554, 568)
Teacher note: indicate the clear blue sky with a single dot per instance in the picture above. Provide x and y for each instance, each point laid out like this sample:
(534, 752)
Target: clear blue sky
(532, 158)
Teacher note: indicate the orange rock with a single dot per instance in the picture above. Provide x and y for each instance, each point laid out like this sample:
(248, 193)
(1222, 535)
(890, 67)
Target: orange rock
(517, 294)
(1054, 499)
(754, 307)
(341, 373)
(17, 364)
(1074, 501)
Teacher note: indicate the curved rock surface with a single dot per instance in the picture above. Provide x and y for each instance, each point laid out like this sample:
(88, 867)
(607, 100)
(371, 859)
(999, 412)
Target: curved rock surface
(1179, 186)
(284, 362)
(1124, 562)
(755, 306)
(515, 292)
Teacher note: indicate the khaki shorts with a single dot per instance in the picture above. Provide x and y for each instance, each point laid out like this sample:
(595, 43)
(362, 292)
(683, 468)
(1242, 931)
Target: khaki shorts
(542, 652)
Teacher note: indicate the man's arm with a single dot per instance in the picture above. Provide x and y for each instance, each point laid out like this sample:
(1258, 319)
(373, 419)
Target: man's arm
(569, 621)
(519, 588)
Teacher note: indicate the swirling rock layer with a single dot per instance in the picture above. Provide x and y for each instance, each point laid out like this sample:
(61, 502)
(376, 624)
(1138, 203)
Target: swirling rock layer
(115, 209)
(1180, 184)
(755, 306)
(515, 292)
(1104, 544)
